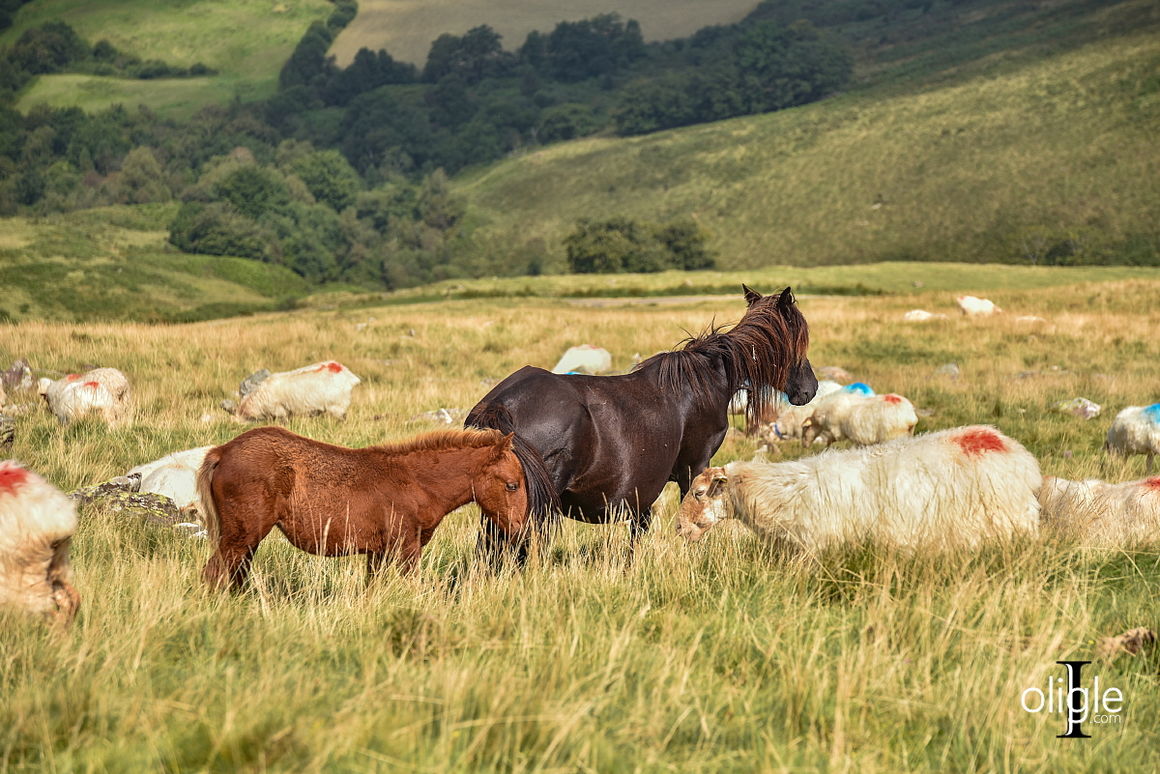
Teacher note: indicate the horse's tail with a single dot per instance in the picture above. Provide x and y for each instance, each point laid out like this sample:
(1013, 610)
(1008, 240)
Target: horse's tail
(205, 494)
(543, 499)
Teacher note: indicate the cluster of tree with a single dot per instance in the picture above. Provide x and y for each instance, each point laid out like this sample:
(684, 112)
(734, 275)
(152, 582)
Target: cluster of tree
(8, 9)
(625, 245)
(55, 47)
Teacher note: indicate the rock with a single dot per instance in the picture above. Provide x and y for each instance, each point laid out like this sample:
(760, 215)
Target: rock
(7, 432)
(251, 382)
(442, 416)
(230, 406)
(948, 369)
(836, 374)
(1077, 407)
(121, 496)
(18, 377)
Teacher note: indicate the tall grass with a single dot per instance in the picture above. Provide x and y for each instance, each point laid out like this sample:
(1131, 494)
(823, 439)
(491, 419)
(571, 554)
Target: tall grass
(718, 656)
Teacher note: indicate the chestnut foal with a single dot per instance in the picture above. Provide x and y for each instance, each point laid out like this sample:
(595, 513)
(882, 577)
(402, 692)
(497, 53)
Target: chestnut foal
(382, 501)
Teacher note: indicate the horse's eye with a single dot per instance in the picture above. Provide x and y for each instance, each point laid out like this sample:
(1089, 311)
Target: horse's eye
(512, 486)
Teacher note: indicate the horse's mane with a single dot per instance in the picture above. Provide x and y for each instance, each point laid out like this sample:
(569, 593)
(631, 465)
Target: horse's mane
(444, 440)
(758, 354)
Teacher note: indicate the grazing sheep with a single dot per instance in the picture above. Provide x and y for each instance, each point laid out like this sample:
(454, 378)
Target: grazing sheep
(972, 306)
(921, 315)
(863, 419)
(313, 389)
(36, 522)
(789, 419)
(104, 391)
(584, 359)
(1136, 430)
(175, 476)
(1101, 513)
(956, 487)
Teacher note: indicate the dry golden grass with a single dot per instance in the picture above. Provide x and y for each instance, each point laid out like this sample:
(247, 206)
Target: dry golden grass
(713, 657)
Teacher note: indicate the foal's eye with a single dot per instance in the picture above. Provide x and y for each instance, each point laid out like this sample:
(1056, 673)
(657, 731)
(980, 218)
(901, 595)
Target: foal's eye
(512, 486)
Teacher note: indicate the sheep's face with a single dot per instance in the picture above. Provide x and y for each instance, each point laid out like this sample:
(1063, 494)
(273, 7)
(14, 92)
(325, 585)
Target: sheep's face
(704, 505)
(811, 429)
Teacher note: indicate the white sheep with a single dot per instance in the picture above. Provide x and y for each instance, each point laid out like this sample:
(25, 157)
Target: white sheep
(103, 391)
(788, 423)
(1136, 430)
(175, 476)
(921, 315)
(1100, 513)
(584, 359)
(36, 523)
(955, 487)
(314, 389)
(862, 419)
(973, 306)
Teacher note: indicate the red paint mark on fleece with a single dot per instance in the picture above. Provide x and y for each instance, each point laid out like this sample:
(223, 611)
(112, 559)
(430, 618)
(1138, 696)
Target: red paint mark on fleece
(91, 385)
(72, 377)
(11, 477)
(1152, 483)
(334, 368)
(979, 441)
(892, 398)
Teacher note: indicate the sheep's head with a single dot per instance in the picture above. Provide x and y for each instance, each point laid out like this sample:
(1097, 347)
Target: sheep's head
(811, 429)
(704, 505)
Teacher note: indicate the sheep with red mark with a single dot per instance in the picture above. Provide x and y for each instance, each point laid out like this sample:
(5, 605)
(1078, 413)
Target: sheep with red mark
(175, 476)
(314, 389)
(101, 391)
(36, 523)
(1103, 514)
(955, 487)
(862, 419)
(1136, 430)
(790, 418)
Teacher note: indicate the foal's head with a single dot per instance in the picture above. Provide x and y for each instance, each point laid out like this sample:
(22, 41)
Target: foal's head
(501, 490)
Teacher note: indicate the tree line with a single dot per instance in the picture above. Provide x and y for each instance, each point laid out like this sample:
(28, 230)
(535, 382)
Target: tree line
(342, 174)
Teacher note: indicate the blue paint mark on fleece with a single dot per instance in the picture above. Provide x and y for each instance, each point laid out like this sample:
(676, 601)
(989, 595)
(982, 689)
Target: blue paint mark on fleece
(859, 387)
(1153, 413)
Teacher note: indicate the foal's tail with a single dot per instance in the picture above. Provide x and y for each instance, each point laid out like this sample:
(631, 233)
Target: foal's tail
(204, 493)
(543, 499)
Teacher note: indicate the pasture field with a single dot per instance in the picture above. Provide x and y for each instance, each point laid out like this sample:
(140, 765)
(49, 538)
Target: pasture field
(715, 657)
(405, 28)
(246, 41)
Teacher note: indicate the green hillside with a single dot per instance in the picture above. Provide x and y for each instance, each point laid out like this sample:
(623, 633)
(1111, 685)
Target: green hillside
(114, 264)
(1052, 161)
(246, 41)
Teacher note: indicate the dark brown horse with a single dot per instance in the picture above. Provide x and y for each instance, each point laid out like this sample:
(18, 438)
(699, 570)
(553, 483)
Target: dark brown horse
(602, 447)
(330, 500)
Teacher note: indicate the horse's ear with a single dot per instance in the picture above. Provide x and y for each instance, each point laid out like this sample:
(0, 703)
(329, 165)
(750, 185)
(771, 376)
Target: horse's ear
(751, 295)
(786, 299)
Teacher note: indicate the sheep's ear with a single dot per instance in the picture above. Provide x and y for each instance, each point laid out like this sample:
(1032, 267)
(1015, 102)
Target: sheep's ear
(786, 299)
(751, 295)
(716, 481)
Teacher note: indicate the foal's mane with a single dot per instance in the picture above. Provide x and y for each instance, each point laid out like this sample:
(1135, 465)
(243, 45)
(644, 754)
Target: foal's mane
(757, 354)
(443, 440)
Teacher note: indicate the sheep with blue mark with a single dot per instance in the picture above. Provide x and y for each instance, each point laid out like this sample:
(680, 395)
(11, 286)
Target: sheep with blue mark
(1136, 430)
(790, 419)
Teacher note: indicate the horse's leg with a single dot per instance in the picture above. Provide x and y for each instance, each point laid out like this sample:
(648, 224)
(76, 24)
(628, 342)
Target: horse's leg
(375, 561)
(639, 521)
(492, 544)
(241, 527)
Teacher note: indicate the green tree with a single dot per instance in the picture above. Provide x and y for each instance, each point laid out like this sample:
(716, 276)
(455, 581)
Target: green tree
(329, 176)
(142, 178)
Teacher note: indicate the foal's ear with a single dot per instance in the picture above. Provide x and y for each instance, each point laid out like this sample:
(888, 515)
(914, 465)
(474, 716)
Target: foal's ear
(786, 299)
(508, 439)
(751, 295)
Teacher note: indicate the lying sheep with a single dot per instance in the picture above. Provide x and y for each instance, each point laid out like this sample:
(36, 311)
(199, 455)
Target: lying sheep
(36, 523)
(972, 306)
(103, 391)
(314, 389)
(584, 359)
(958, 486)
(921, 315)
(1136, 430)
(864, 420)
(175, 476)
(1100, 513)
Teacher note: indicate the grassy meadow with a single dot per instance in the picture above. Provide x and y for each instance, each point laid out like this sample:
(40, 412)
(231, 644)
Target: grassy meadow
(178, 32)
(1045, 162)
(714, 657)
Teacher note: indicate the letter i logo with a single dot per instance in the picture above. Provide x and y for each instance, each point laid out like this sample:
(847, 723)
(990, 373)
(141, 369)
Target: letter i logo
(1075, 701)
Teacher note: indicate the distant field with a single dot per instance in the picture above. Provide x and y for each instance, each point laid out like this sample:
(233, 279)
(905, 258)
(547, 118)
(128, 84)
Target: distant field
(1058, 155)
(405, 28)
(114, 263)
(246, 41)
(713, 658)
